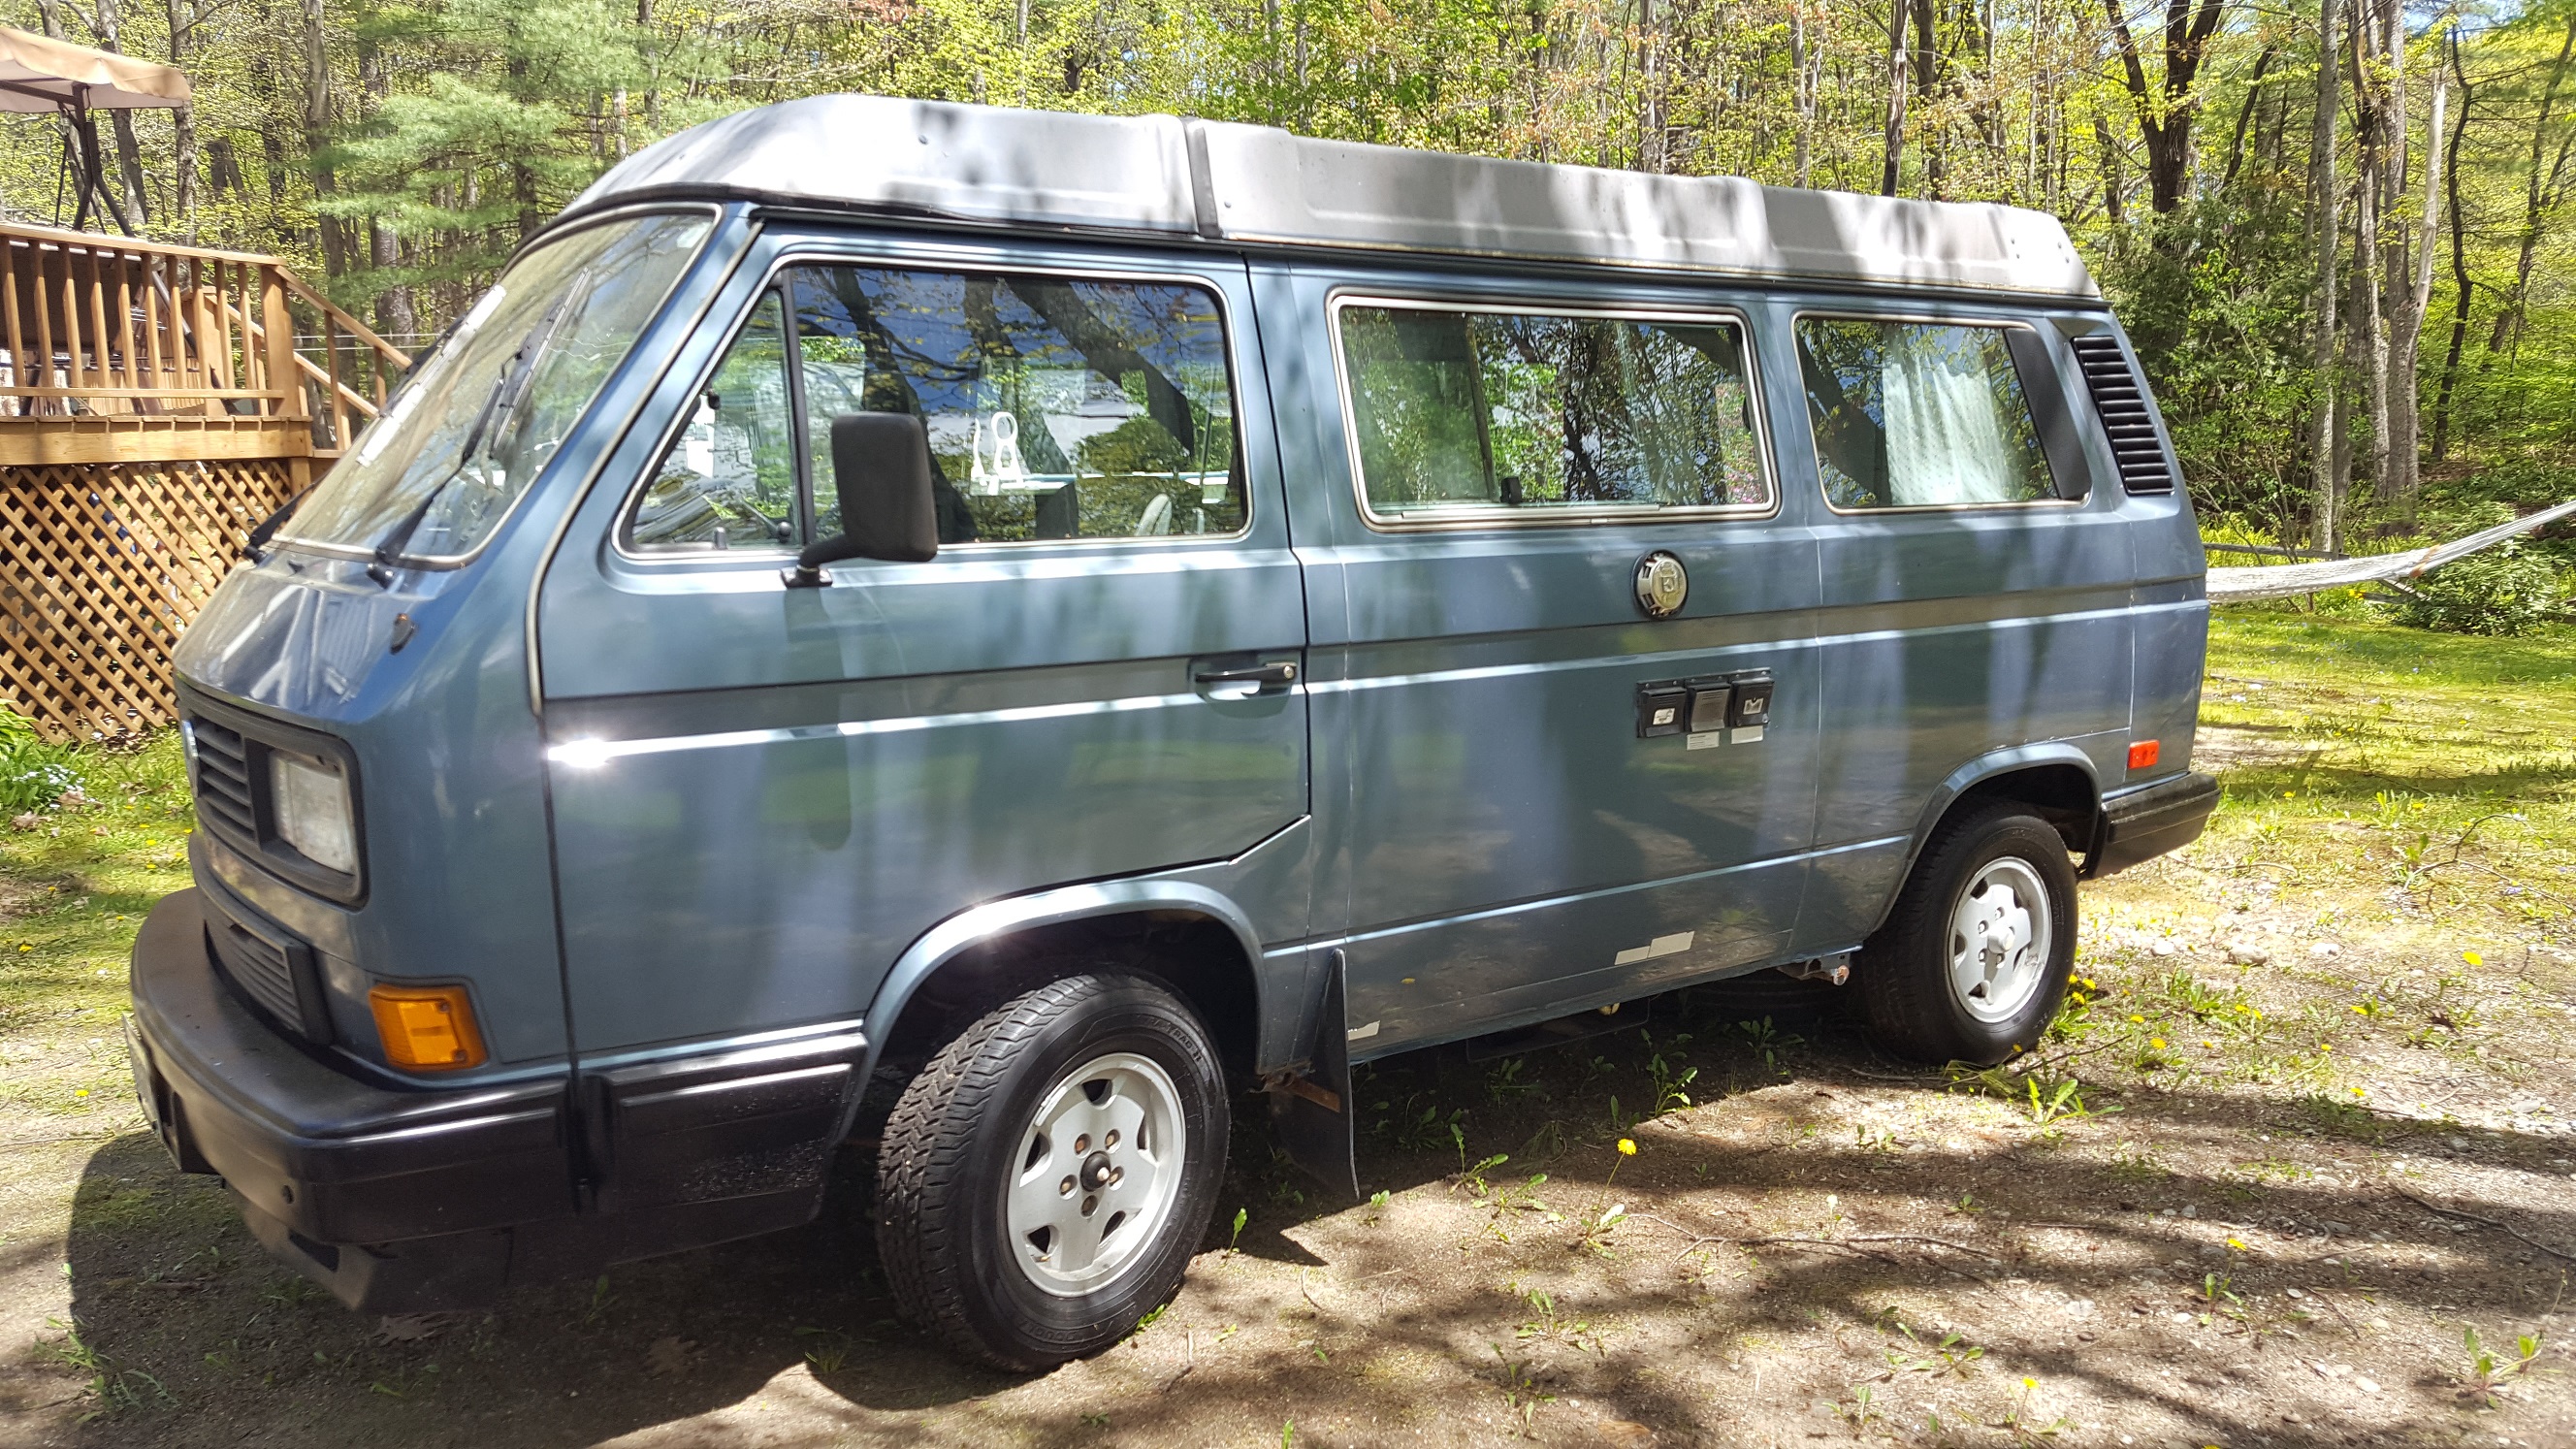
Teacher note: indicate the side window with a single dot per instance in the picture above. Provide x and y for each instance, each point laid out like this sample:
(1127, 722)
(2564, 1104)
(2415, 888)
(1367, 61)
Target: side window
(730, 480)
(1533, 412)
(1919, 414)
(1056, 407)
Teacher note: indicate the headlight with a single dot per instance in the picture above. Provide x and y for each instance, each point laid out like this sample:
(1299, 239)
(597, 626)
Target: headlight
(311, 804)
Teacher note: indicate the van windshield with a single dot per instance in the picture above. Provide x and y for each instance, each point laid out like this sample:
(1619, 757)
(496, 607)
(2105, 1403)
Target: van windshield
(467, 435)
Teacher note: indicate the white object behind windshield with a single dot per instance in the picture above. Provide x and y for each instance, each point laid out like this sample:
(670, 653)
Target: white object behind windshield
(441, 469)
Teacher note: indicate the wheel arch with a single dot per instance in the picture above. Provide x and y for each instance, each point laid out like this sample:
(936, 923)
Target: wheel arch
(2054, 778)
(985, 955)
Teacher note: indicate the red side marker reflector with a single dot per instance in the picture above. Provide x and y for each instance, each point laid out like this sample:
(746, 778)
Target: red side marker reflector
(2142, 755)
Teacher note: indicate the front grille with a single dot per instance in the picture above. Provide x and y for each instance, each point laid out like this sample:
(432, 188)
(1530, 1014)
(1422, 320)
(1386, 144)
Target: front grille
(2122, 401)
(223, 781)
(275, 972)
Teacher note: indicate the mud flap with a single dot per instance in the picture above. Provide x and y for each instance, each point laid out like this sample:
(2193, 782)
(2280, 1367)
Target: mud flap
(1311, 1112)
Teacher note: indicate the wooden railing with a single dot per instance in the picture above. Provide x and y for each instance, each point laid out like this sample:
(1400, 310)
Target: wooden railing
(114, 349)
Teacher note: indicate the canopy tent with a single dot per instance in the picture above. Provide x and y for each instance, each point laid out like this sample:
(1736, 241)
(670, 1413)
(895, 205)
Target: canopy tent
(2242, 585)
(38, 75)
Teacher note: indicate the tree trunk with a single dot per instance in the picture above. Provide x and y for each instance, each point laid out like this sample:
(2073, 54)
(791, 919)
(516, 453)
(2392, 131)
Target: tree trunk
(2245, 116)
(2113, 183)
(2372, 130)
(183, 126)
(2535, 204)
(2165, 107)
(317, 136)
(2459, 262)
(1650, 58)
(396, 314)
(2325, 237)
(110, 29)
(1802, 157)
(1892, 150)
(652, 68)
(2405, 479)
(1927, 84)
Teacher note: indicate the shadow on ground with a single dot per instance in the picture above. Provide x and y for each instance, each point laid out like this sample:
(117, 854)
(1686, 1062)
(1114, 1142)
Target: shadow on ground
(1415, 1318)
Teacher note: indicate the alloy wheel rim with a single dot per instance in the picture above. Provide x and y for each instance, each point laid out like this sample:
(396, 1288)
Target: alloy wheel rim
(1098, 1169)
(2001, 933)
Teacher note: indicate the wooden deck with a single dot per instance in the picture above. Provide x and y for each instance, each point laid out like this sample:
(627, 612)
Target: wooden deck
(156, 402)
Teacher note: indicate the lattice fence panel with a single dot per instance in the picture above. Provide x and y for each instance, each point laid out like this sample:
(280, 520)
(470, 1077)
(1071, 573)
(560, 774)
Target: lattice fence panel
(101, 566)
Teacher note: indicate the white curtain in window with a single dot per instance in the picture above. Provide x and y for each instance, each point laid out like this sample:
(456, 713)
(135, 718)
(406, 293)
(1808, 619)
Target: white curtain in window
(1945, 443)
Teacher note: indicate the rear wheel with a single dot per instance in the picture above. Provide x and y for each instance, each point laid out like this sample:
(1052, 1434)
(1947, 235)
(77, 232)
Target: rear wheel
(1974, 959)
(1044, 1181)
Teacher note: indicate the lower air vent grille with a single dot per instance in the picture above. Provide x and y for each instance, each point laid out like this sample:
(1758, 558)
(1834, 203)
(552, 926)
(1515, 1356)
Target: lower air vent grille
(2122, 401)
(223, 781)
(273, 972)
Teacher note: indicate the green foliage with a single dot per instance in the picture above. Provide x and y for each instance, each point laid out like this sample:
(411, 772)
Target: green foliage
(2217, 305)
(33, 773)
(2506, 590)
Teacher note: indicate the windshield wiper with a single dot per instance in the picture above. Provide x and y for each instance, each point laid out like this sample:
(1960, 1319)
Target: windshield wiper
(508, 390)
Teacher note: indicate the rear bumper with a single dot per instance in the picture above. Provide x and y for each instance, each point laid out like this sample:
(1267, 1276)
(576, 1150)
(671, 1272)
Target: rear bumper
(2141, 824)
(420, 1200)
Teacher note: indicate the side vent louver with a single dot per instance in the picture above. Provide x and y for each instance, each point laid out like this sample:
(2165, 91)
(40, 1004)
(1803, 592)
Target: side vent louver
(2122, 401)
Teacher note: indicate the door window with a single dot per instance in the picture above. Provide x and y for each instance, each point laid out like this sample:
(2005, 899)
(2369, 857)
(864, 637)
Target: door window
(729, 480)
(1539, 414)
(1919, 415)
(1057, 408)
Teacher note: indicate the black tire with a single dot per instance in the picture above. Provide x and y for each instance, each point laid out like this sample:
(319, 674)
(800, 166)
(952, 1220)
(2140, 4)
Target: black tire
(1905, 971)
(950, 1149)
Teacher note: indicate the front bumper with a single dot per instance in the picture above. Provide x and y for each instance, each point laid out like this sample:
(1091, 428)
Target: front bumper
(436, 1198)
(2141, 824)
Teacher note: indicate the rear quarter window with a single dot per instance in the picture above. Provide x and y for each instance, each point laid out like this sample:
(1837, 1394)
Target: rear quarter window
(1916, 414)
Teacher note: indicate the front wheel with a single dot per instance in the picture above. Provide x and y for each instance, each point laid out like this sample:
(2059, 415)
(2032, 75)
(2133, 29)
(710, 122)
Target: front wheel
(1044, 1181)
(1973, 961)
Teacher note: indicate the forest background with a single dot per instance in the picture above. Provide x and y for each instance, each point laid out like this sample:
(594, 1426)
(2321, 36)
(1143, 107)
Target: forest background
(2336, 228)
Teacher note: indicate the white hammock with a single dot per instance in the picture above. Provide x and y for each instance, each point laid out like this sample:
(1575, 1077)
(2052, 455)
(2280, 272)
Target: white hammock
(2242, 585)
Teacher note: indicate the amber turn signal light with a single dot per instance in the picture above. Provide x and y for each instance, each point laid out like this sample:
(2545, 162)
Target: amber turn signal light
(2142, 755)
(427, 1028)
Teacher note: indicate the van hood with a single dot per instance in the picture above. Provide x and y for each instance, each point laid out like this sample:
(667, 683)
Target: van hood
(305, 635)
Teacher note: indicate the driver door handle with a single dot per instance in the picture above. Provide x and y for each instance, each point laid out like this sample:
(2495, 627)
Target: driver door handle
(1275, 674)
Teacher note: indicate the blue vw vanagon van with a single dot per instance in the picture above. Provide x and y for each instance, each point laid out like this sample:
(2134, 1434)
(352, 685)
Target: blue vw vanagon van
(1041, 621)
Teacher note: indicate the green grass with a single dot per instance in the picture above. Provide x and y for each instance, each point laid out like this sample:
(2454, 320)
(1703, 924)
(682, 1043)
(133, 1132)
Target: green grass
(73, 891)
(2438, 765)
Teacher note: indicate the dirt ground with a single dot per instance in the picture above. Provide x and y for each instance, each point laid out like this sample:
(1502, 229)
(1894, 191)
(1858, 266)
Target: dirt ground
(2305, 1128)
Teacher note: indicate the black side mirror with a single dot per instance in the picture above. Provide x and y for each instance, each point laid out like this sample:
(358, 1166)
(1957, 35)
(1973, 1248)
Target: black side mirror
(881, 470)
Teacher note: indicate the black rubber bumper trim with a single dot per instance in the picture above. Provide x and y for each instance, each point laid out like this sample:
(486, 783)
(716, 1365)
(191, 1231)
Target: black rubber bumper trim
(330, 1157)
(2141, 824)
(429, 1200)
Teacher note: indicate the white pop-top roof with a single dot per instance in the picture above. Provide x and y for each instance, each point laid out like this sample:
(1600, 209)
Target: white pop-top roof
(1258, 185)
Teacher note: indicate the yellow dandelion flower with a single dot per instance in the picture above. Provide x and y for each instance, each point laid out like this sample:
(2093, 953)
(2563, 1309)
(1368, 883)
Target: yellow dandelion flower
(2358, 1092)
(1627, 1147)
(2030, 1383)
(2473, 958)
(2237, 1243)
(2140, 1020)
(2157, 1042)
